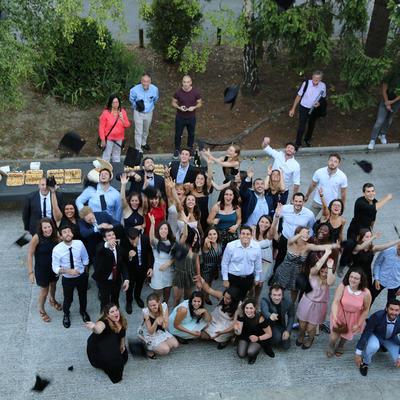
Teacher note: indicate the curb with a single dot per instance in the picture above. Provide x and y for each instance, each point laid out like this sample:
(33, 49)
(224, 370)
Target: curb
(379, 148)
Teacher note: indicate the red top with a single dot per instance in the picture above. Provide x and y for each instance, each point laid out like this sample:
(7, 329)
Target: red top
(106, 121)
(159, 215)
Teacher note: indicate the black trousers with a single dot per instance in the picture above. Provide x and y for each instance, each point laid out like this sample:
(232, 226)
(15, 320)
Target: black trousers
(69, 284)
(391, 294)
(136, 281)
(305, 121)
(242, 283)
(276, 339)
(109, 292)
(180, 125)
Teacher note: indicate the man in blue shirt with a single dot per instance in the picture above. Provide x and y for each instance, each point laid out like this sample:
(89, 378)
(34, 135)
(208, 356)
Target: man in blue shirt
(143, 98)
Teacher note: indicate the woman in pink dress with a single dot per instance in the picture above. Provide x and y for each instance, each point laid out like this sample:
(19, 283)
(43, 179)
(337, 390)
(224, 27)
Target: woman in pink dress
(350, 307)
(313, 305)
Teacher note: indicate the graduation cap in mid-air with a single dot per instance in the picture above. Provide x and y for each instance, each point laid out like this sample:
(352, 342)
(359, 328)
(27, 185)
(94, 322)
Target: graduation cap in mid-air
(365, 165)
(71, 368)
(230, 95)
(71, 143)
(40, 384)
(22, 240)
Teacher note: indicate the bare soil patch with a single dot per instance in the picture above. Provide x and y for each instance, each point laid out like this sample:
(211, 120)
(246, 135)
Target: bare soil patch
(35, 130)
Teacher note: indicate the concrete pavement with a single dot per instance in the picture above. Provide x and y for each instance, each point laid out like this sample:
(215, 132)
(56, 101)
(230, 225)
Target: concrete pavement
(197, 370)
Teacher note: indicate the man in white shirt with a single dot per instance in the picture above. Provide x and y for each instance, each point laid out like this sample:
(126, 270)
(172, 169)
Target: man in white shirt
(293, 215)
(311, 95)
(284, 161)
(241, 263)
(331, 183)
(70, 259)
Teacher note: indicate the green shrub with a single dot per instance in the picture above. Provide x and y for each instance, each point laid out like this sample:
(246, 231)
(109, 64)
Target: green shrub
(87, 70)
(172, 25)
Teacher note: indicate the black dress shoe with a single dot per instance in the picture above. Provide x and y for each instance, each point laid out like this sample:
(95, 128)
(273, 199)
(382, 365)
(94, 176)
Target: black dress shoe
(308, 143)
(146, 147)
(128, 308)
(269, 352)
(364, 369)
(222, 345)
(66, 321)
(139, 302)
(85, 316)
(252, 360)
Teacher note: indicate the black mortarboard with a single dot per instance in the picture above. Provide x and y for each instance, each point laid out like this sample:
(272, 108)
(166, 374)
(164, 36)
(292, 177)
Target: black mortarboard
(40, 384)
(71, 142)
(365, 165)
(230, 95)
(71, 368)
(22, 241)
(136, 347)
(150, 192)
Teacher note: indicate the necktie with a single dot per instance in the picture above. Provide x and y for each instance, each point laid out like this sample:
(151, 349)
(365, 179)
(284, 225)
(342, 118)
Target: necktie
(44, 208)
(71, 258)
(103, 202)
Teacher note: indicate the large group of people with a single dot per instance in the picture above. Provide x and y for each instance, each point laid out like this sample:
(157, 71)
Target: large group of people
(275, 258)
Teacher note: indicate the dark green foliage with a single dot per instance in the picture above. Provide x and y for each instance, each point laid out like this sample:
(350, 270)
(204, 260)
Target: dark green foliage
(87, 70)
(172, 25)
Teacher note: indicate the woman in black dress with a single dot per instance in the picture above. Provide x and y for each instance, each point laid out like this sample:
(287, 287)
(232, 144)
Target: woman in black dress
(202, 188)
(41, 247)
(254, 332)
(106, 347)
(132, 208)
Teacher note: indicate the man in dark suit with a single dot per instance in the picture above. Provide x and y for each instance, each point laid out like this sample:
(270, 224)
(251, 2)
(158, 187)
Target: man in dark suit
(182, 171)
(140, 266)
(110, 270)
(255, 200)
(38, 206)
(91, 226)
(280, 312)
(145, 177)
(381, 332)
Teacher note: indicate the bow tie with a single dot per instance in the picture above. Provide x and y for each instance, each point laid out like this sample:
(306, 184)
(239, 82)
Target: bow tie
(149, 177)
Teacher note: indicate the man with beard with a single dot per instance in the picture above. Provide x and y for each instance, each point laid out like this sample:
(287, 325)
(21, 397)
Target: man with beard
(331, 183)
(280, 311)
(381, 332)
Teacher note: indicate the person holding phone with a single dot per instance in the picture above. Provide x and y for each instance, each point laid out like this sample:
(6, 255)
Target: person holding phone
(112, 124)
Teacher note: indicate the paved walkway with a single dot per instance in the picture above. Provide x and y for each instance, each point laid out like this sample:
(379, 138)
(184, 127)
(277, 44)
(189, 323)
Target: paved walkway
(194, 371)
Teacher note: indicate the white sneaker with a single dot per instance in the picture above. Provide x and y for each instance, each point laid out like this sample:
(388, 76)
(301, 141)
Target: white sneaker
(371, 145)
(382, 138)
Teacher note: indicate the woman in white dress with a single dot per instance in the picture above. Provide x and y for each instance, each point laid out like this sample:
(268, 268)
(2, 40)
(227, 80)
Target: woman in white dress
(264, 233)
(223, 317)
(161, 243)
(154, 329)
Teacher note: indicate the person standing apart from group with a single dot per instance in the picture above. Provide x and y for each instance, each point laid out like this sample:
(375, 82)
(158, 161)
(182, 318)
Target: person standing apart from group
(389, 104)
(309, 97)
(143, 98)
(112, 124)
(186, 100)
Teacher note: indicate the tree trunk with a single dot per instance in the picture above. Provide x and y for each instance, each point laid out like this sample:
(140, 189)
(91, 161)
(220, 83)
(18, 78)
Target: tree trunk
(378, 29)
(250, 69)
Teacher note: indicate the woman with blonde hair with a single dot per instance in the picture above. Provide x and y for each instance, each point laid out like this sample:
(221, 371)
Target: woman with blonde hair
(154, 329)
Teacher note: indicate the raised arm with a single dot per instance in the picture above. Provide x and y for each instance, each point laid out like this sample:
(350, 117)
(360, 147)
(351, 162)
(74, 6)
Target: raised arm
(57, 214)
(382, 202)
(124, 181)
(152, 229)
(381, 247)
(315, 269)
(366, 244)
(275, 222)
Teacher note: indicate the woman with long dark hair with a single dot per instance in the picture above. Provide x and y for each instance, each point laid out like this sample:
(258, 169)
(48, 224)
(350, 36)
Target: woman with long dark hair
(41, 248)
(226, 216)
(254, 332)
(223, 317)
(188, 319)
(112, 123)
(106, 348)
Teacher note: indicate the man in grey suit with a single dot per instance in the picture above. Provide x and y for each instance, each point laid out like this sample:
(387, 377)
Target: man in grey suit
(280, 311)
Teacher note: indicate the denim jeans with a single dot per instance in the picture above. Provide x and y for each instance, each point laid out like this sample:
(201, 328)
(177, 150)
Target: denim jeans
(384, 119)
(374, 344)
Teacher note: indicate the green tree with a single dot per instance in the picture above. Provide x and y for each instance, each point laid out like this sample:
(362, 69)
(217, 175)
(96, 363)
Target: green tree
(27, 36)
